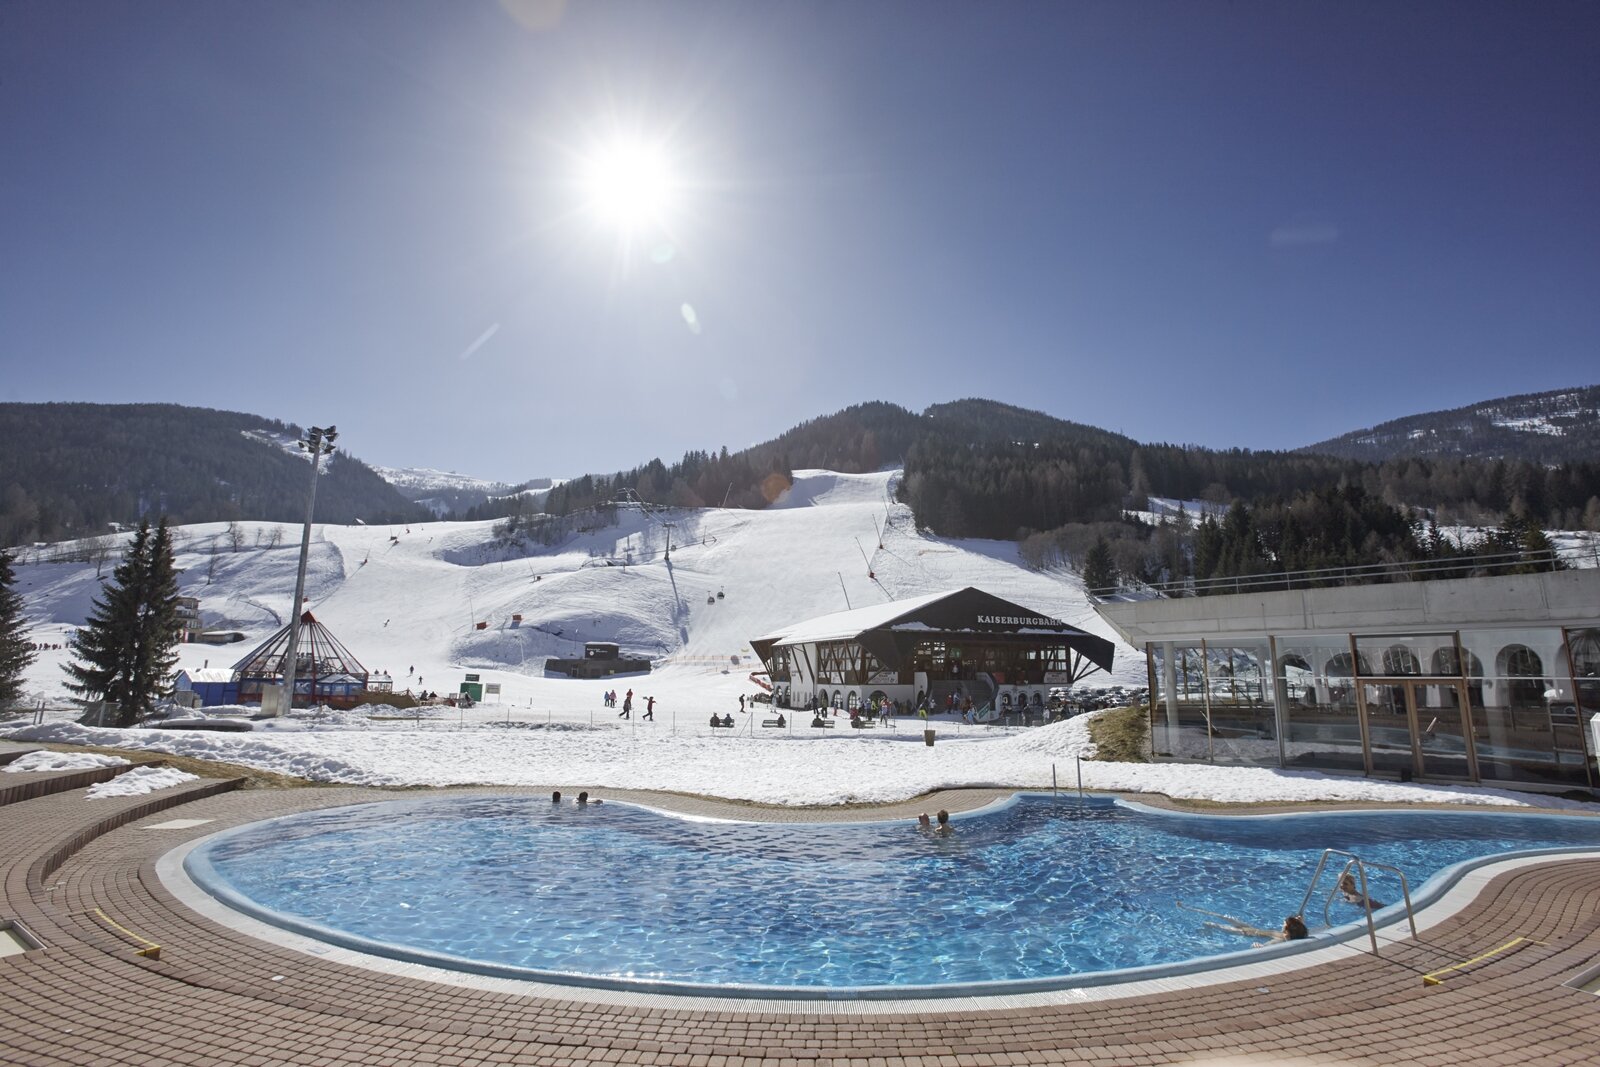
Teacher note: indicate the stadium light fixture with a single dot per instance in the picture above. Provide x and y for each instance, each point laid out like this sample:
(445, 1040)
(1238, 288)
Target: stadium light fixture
(318, 442)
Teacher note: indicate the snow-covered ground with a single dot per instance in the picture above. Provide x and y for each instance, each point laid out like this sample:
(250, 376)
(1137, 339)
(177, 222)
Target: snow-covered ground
(410, 601)
(799, 766)
(138, 782)
(45, 760)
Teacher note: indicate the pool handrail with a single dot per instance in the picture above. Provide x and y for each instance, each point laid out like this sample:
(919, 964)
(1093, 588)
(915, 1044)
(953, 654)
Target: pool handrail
(1360, 866)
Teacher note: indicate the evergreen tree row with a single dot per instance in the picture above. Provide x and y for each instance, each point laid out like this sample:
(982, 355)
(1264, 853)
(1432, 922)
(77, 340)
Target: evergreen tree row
(1312, 535)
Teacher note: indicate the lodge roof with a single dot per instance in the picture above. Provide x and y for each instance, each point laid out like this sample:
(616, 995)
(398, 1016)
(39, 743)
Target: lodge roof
(956, 613)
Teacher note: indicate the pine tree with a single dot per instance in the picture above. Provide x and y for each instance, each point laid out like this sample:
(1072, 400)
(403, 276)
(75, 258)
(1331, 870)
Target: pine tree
(125, 651)
(15, 655)
(161, 627)
(1099, 569)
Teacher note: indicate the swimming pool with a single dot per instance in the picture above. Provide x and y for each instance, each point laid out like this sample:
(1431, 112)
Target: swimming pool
(1034, 892)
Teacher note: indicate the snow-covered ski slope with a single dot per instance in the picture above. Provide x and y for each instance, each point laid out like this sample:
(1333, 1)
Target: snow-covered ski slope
(411, 600)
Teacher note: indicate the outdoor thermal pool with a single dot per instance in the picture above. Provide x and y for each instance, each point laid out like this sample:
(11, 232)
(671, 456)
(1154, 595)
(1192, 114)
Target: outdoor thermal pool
(1032, 893)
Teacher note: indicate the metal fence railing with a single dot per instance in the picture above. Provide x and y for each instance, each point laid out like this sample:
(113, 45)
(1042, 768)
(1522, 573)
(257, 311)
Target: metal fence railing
(1364, 574)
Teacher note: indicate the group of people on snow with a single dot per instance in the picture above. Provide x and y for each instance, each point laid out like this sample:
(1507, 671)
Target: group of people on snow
(610, 701)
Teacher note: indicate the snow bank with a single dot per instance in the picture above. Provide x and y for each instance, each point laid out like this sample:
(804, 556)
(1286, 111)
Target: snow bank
(63, 761)
(139, 781)
(774, 767)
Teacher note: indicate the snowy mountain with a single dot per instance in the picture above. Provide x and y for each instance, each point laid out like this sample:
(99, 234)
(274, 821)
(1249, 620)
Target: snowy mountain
(1548, 428)
(443, 492)
(442, 598)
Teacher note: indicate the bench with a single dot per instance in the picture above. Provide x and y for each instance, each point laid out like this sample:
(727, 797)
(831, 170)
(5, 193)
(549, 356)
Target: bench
(715, 725)
(862, 723)
(822, 724)
(775, 723)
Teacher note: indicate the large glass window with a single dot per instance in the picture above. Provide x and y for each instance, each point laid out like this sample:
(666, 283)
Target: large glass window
(1584, 650)
(1524, 724)
(1403, 655)
(1177, 705)
(1316, 690)
(1585, 646)
(1212, 702)
(1244, 725)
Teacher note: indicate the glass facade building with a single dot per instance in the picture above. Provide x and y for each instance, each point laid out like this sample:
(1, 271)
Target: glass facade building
(1491, 680)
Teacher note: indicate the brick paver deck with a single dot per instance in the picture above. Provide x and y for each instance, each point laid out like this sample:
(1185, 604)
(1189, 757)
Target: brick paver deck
(218, 996)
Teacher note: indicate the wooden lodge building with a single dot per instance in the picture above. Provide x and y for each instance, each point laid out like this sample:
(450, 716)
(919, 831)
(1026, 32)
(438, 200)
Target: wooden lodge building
(966, 643)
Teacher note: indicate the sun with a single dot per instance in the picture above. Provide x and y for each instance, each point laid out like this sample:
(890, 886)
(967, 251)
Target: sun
(630, 184)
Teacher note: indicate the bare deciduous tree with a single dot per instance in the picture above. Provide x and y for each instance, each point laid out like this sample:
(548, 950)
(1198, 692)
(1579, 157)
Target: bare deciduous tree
(98, 550)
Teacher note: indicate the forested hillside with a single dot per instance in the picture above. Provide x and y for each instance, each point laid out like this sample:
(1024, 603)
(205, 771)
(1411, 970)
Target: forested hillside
(973, 468)
(67, 470)
(1560, 426)
(976, 468)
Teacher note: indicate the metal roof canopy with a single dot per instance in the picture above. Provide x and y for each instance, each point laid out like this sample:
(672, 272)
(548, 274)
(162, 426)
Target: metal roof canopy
(891, 631)
(321, 657)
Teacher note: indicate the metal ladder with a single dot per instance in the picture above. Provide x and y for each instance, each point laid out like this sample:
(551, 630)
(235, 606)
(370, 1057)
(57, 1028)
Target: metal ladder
(1360, 866)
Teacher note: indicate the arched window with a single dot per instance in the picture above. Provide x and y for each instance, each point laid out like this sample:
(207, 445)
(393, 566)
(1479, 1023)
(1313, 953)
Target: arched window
(1295, 671)
(1585, 646)
(1339, 666)
(1524, 673)
(1447, 664)
(1398, 659)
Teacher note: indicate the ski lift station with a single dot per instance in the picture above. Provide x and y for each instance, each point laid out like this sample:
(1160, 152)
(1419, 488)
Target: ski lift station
(601, 659)
(962, 643)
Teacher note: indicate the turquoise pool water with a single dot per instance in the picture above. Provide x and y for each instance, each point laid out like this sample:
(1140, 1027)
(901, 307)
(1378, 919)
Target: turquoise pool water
(1038, 890)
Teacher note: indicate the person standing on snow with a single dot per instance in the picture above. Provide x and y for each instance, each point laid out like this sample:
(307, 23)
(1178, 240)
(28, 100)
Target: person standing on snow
(649, 709)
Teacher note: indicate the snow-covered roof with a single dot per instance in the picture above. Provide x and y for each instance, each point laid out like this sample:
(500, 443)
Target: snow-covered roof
(843, 625)
(207, 675)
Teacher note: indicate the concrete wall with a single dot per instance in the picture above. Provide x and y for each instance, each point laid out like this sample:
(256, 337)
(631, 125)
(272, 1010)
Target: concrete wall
(1561, 598)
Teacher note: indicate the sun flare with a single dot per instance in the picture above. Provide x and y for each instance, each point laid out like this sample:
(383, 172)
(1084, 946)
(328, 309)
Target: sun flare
(630, 184)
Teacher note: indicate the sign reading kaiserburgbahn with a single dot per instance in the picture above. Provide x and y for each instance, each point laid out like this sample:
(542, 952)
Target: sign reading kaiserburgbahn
(1017, 620)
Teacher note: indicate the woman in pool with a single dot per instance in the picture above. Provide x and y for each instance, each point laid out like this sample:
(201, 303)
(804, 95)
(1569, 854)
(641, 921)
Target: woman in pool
(944, 823)
(1293, 928)
(1352, 893)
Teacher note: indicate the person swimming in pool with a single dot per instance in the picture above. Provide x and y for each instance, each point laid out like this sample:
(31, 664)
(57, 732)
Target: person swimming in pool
(1293, 928)
(1353, 895)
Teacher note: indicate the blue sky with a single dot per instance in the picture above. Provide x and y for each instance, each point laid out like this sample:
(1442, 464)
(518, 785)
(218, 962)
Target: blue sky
(1232, 224)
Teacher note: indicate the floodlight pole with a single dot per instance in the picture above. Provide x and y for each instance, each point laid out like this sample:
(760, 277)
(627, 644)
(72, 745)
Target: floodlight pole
(318, 442)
